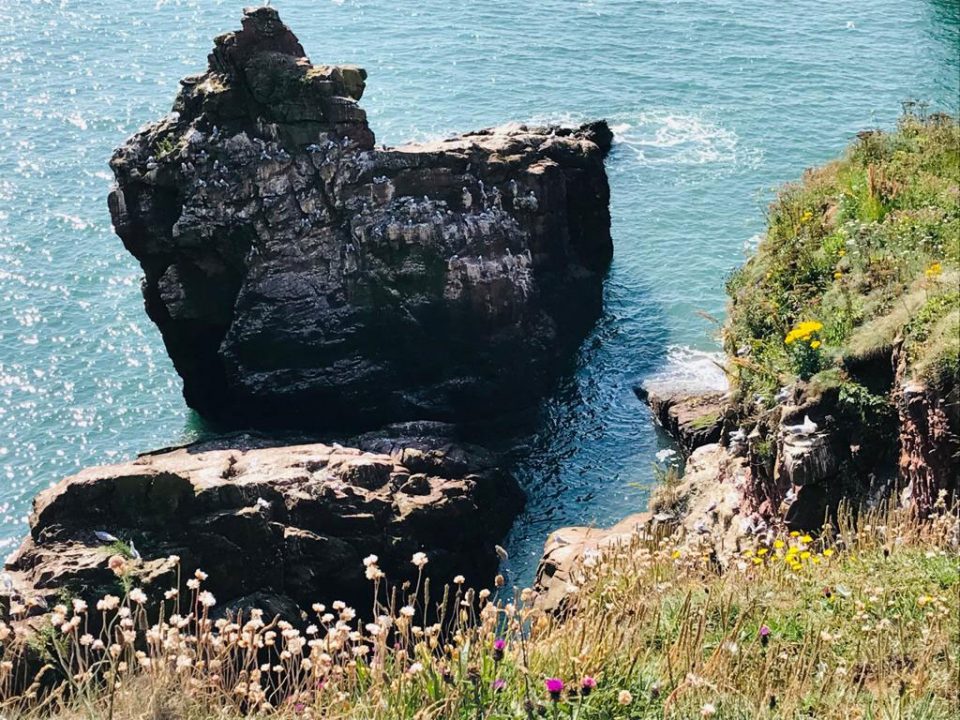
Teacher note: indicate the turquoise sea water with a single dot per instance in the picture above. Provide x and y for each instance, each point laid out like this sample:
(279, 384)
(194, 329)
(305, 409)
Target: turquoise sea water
(714, 102)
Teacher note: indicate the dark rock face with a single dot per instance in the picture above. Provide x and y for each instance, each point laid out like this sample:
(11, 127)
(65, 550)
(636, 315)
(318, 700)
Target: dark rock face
(285, 524)
(928, 465)
(302, 276)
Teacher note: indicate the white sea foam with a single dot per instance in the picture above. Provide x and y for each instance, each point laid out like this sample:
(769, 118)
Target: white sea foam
(689, 370)
(669, 138)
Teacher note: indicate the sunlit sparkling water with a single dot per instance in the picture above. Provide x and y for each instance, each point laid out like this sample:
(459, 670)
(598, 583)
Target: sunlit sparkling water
(713, 103)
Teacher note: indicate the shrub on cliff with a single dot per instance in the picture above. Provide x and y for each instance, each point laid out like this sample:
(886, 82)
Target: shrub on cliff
(867, 249)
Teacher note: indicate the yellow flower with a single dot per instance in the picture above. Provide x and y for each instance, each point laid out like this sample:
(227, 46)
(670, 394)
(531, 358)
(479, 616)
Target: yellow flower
(806, 539)
(762, 551)
(837, 275)
(748, 553)
(794, 534)
(806, 217)
(676, 554)
(934, 270)
(805, 555)
(815, 344)
(757, 561)
(803, 331)
(841, 253)
(778, 543)
(828, 552)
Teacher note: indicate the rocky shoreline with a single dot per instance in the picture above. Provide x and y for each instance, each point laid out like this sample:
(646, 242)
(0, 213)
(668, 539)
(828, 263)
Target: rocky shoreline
(307, 280)
(791, 469)
(304, 278)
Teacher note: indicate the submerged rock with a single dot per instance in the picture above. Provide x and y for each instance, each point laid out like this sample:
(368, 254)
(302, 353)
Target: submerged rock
(289, 524)
(301, 275)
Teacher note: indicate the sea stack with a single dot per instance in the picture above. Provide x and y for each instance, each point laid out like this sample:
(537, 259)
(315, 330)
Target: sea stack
(303, 276)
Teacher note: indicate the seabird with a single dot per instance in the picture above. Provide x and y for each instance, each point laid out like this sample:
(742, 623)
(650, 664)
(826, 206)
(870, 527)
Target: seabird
(807, 427)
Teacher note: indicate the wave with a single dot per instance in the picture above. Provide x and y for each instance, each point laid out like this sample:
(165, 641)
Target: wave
(689, 370)
(670, 138)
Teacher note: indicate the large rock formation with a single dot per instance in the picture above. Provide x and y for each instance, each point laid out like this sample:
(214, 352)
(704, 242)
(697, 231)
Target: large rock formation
(301, 275)
(274, 526)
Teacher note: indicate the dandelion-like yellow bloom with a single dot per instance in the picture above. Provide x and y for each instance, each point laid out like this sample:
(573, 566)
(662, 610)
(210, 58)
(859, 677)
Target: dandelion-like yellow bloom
(806, 539)
(837, 275)
(803, 331)
(815, 344)
(778, 543)
(934, 270)
(806, 217)
(828, 552)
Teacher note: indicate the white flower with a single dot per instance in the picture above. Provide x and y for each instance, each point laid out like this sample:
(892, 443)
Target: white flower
(370, 560)
(138, 596)
(108, 602)
(407, 611)
(200, 574)
(459, 580)
(373, 572)
(624, 697)
(373, 629)
(415, 668)
(207, 599)
(193, 584)
(419, 559)
(708, 710)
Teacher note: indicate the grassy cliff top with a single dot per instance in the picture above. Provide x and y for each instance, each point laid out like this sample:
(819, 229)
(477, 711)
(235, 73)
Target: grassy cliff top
(860, 255)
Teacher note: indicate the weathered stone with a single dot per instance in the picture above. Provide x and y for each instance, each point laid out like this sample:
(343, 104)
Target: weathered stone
(692, 419)
(302, 276)
(807, 459)
(706, 513)
(290, 521)
(928, 465)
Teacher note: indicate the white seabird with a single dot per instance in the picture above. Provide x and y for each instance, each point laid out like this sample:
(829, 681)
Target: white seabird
(807, 427)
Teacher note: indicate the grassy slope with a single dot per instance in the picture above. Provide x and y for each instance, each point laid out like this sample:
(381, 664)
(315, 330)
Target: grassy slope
(868, 246)
(869, 631)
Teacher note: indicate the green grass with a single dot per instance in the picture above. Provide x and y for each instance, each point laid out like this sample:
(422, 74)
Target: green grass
(869, 630)
(868, 246)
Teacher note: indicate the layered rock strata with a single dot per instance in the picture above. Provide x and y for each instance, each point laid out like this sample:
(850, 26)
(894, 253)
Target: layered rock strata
(284, 526)
(301, 275)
